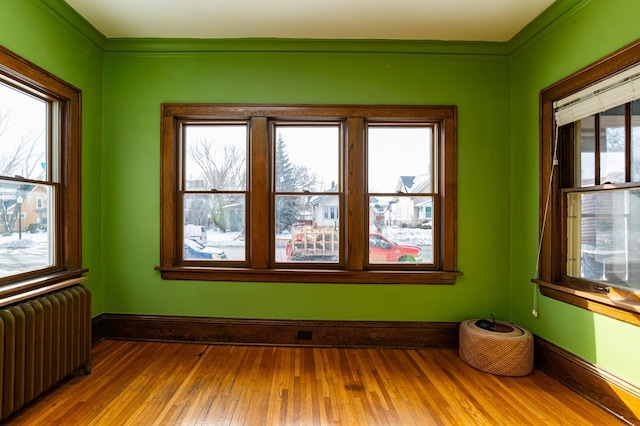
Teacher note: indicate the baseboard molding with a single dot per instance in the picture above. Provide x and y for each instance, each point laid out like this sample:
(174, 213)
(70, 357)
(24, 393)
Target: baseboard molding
(620, 398)
(396, 334)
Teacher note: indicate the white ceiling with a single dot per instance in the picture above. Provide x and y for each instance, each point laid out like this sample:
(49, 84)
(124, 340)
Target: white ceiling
(463, 20)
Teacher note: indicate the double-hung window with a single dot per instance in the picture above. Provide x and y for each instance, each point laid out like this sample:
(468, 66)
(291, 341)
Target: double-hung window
(39, 177)
(301, 193)
(590, 184)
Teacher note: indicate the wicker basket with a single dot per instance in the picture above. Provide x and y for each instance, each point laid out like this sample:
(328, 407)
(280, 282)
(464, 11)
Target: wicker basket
(506, 351)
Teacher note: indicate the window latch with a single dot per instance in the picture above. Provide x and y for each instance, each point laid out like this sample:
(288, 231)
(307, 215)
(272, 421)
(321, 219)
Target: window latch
(601, 288)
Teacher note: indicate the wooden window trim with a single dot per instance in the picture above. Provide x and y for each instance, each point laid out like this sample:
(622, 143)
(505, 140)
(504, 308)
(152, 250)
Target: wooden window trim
(553, 282)
(68, 252)
(354, 117)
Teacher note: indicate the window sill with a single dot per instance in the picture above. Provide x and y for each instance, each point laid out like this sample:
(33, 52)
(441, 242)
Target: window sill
(308, 276)
(622, 306)
(22, 290)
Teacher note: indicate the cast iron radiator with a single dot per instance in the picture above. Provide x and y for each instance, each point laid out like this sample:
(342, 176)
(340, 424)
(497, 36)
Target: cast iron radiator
(42, 340)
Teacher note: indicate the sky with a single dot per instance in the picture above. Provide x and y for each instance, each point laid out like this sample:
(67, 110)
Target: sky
(393, 152)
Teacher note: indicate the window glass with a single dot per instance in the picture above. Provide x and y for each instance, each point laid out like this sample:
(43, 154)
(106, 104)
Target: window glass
(307, 157)
(612, 146)
(307, 201)
(310, 240)
(399, 158)
(27, 194)
(215, 183)
(393, 237)
(23, 134)
(401, 199)
(217, 222)
(215, 157)
(26, 242)
(635, 141)
(586, 160)
(609, 233)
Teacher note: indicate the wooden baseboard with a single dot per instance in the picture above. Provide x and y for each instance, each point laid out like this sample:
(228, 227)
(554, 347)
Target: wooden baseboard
(620, 398)
(395, 334)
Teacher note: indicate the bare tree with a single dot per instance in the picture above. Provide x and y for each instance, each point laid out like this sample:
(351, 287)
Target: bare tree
(223, 169)
(22, 159)
(305, 179)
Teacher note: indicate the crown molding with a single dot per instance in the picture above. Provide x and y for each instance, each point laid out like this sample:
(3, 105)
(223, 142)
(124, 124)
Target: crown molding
(558, 13)
(66, 15)
(554, 16)
(272, 45)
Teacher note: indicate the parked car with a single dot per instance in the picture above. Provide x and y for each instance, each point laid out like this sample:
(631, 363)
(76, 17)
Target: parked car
(195, 233)
(193, 250)
(383, 250)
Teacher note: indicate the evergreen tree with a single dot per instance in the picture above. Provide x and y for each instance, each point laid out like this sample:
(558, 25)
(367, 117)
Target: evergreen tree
(286, 205)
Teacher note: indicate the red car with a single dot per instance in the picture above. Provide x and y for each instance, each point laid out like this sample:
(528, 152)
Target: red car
(383, 250)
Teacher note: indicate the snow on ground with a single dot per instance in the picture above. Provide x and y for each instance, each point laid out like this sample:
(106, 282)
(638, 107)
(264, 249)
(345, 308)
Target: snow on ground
(28, 240)
(419, 237)
(225, 239)
(23, 254)
(415, 236)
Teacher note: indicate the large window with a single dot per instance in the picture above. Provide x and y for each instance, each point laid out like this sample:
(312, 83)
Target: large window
(309, 193)
(39, 177)
(590, 184)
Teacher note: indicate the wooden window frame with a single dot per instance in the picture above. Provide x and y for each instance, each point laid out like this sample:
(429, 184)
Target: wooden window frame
(67, 246)
(353, 269)
(552, 279)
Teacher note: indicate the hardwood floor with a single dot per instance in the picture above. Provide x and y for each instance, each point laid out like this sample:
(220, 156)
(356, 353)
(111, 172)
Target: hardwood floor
(151, 383)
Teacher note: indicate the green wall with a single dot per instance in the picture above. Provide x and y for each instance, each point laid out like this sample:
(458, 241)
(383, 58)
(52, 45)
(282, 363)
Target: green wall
(31, 29)
(495, 87)
(593, 31)
(137, 82)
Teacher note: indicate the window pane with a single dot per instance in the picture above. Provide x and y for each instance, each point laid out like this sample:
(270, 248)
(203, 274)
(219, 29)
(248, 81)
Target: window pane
(609, 235)
(612, 145)
(26, 223)
(313, 235)
(306, 158)
(635, 141)
(23, 134)
(399, 159)
(216, 222)
(216, 157)
(587, 152)
(400, 229)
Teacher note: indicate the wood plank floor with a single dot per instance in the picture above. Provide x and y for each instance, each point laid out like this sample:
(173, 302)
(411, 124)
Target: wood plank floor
(151, 383)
